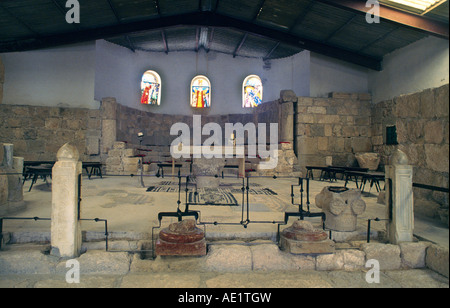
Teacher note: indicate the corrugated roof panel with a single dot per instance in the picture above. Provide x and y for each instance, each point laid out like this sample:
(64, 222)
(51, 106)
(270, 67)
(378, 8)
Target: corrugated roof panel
(181, 38)
(37, 14)
(96, 14)
(246, 10)
(395, 40)
(225, 40)
(150, 41)
(281, 13)
(321, 21)
(358, 33)
(134, 10)
(284, 51)
(175, 7)
(10, 29)
(256, 47)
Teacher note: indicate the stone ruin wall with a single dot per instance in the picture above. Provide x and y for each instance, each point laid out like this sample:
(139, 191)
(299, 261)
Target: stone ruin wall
(329, 131)
(38, 132)
(422, 123)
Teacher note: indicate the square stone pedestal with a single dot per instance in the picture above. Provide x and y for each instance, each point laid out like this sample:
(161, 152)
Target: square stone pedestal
(164, 248)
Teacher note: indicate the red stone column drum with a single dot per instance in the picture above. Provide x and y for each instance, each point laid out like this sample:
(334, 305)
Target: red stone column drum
(181, 239)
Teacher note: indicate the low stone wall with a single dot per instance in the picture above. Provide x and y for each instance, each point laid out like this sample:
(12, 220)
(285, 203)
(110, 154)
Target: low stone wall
(232, 258)
(422, 124)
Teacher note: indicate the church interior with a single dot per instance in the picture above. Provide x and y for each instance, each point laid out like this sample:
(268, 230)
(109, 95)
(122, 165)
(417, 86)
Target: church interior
(224, 136)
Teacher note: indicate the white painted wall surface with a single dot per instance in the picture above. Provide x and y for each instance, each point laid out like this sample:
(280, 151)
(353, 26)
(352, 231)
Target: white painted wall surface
(331, 75)
(61, 76)
(416, 67)
(119, 70)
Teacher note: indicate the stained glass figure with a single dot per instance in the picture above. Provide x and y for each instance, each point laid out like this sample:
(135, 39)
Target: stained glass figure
(200, 92)
(252, 91)
(151, 88)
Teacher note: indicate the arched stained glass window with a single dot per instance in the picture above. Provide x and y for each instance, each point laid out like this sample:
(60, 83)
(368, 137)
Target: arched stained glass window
(200, 92)
(252, 91)
(151, 88)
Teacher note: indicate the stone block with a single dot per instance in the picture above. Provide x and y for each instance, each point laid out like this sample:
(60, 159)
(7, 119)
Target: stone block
(322, 143)
(413, 254)
(108, 108)
(92, 146)
(354, 260)
(287, 96)
(442, 98)
(427, 104)
(305, 118)
(269, 257)
(434, 132)
(437, 259)
(361, 144)
(119, 145)
(102, 263)
(229, 258)
(386, 254)
(108, 135)
(368, 160)
(318, 110)
(330, 262)
(408, 106)
(435, 157)
(306, 145)
(53, 123)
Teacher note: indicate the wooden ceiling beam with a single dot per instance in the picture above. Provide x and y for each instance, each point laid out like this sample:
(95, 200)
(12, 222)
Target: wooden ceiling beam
(393, 15)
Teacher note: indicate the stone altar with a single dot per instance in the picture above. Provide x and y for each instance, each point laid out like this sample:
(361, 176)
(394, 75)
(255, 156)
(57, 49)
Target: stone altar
(341, 207)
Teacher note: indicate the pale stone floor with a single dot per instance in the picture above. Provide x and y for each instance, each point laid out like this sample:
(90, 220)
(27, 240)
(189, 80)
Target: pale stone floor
(132, 212)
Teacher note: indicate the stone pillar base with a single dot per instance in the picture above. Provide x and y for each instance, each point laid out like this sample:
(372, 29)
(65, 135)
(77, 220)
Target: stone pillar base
(164, 248)
(302, 238)
(181, 239)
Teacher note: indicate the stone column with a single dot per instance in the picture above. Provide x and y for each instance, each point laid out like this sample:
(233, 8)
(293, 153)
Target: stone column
(108, 112)
(66, 183)
(286, 122)
(3, 185)
(12, 167)
(15, 186)
(399, 199)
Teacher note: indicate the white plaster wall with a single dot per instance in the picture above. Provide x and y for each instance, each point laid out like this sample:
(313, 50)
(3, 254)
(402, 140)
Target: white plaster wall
(61, 76)
(416, 67)
(119, 70)
(331, 75)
